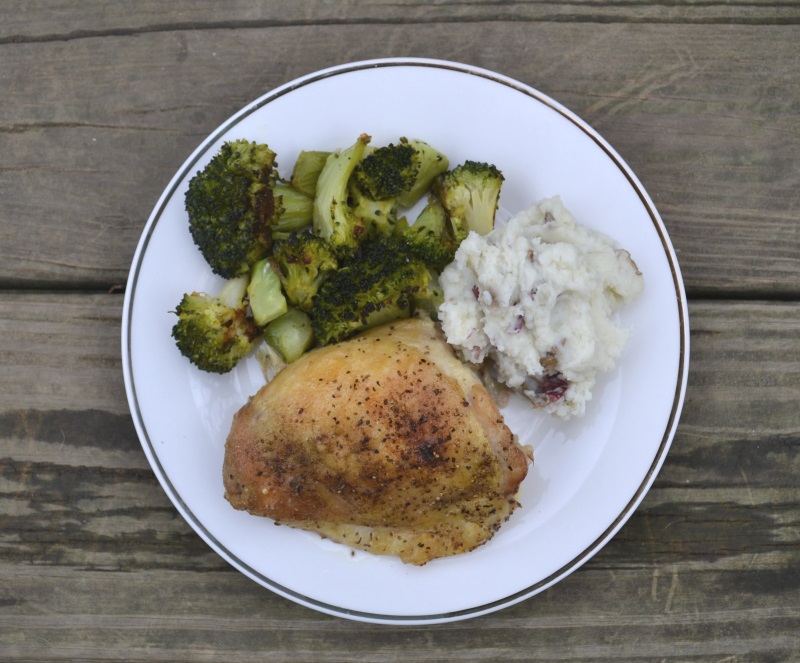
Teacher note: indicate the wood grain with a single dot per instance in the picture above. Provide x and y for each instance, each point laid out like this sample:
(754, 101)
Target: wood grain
(61, 351)
(66, 19)
(708, 125)
(220, 615)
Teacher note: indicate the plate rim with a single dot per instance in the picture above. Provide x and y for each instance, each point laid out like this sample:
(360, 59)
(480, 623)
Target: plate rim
(322, 606)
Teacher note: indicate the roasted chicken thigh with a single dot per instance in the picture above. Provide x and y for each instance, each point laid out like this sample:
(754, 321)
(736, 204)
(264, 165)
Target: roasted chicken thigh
(386, 443)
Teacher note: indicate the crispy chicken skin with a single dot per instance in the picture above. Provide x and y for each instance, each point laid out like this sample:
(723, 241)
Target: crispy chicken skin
(385, 443)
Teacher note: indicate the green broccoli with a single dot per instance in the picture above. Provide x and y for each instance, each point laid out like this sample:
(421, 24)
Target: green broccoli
(430, 164)
(431, 238)
(232, 207)
(430, 295)
(307, 167)
(470, 194)
(302, 261)
(377, 215)
(334, 219)
(290, 335)
(377, 182)
(265, 293)
(215, 333)
(295, 210)
(378, 284)
(386, 172)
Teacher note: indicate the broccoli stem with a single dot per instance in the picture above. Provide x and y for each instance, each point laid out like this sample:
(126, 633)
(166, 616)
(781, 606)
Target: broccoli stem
(333, 218)
(306, 170)
(432, 163)
(296, 210)
(265, 293)
(290, 335)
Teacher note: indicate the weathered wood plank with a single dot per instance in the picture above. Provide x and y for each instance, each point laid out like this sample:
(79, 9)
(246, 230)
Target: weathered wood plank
(668, 615)
(70, 19)
(61, 351)
(96, 563)
(709, 125)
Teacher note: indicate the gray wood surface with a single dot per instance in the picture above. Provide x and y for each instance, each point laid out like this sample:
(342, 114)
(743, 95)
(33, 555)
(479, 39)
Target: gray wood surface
(101, 104)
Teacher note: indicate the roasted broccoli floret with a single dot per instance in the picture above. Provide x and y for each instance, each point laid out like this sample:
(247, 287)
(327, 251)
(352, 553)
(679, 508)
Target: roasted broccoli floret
(306, 171)
(470, 194)
(430, 238)
(232, 207)
(379, 284)
(430, 164)
(392, 177)
(334, 219)
(378, 216)
(386, 172)
(214, 332)
(302, 261)
(377, 182)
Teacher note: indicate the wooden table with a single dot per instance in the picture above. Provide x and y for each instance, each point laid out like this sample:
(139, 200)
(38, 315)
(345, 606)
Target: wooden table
(101, 103)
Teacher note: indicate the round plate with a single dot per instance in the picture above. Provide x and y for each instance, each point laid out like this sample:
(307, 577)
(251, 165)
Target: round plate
(589, 474)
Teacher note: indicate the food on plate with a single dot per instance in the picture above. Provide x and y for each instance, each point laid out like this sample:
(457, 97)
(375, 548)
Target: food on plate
(535, 299)
(302, 262)
(462, 199)
(360, 189)
(374, 429)
(380, 283)
(469, 194)
(290, 335)
(306, 170)
(393, 176)
(215, 332)
(431, 238)
(431, 163)
(234, 203)
(378, 181)
(265, 293)
(385, 442)
(334, 219)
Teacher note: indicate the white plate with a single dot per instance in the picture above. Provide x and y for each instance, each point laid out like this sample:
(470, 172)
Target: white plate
(589, 475)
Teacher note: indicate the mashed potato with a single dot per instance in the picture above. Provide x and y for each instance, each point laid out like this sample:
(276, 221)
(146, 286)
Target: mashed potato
(536, 298)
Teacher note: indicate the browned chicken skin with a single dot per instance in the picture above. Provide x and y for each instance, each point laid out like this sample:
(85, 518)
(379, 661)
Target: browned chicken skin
(386, 443)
